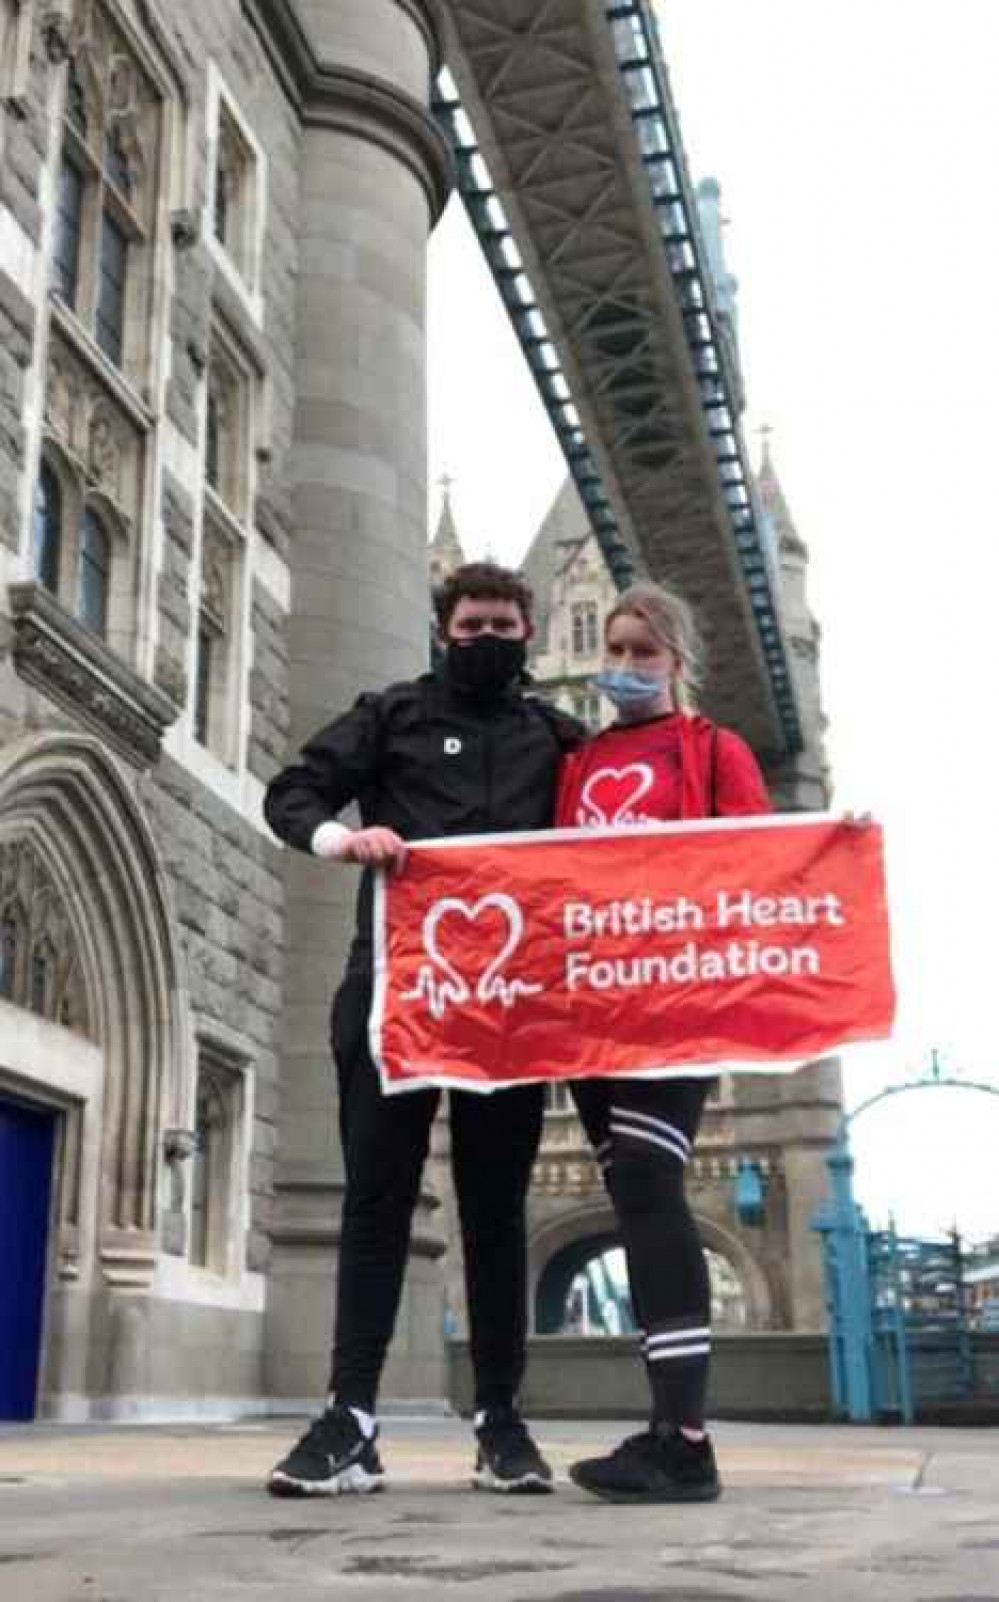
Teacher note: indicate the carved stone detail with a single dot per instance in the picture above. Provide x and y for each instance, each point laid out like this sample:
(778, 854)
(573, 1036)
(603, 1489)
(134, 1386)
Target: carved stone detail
(55, 34)
(184, 229)
(95, 432)
(39, 958)
(104, 454)
(77, 671)
(121, 108)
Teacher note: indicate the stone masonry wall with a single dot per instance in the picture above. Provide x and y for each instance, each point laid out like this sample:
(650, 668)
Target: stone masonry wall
(25, 142)
(227, 895)
(223, 871)
(269, 707)
(24, 145)
(172, 591)
(226, 880)
(16, 340)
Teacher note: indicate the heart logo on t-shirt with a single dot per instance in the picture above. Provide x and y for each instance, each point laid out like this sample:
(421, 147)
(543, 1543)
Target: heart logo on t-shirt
(610, 795)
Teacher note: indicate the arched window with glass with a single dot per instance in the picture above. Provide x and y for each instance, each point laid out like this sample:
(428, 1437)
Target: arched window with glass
(41, 987)
(8, 955)
(95, 573)
(112, 128)
(46, 534)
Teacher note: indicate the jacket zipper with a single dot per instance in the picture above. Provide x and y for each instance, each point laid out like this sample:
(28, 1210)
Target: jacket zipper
(489, 777)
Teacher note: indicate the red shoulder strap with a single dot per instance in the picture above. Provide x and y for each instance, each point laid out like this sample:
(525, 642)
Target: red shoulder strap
(697, 761)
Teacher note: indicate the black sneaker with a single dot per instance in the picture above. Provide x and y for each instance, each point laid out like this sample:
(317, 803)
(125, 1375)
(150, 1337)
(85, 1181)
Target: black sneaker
(333, 1457)
(507, 1459)
(659, 1466)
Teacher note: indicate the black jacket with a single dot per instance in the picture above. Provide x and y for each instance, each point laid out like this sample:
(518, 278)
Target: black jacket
(425, 760)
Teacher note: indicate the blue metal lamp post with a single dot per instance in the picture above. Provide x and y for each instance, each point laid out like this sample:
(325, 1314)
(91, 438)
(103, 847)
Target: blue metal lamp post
(749, 1192)
(842, 1224)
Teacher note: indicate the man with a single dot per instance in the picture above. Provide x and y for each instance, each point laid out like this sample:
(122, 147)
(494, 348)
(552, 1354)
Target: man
(460, 750)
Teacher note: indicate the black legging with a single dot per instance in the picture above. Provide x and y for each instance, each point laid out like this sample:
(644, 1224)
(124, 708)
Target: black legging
(643, 1132)
(494, 1143)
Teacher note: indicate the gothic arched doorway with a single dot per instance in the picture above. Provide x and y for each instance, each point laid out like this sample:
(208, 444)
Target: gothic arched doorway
(88, 946)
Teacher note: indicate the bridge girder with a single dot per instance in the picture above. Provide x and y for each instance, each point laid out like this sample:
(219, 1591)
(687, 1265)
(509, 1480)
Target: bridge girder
(542, 85)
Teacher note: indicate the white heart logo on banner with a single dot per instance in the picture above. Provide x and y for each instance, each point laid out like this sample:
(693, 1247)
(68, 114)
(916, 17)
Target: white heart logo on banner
(452, 906)
(621, 790)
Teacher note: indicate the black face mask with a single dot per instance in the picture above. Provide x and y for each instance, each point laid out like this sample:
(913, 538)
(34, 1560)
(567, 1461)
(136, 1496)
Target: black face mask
(486, 665)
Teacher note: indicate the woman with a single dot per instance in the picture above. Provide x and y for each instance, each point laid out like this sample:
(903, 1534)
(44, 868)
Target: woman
(659, 761)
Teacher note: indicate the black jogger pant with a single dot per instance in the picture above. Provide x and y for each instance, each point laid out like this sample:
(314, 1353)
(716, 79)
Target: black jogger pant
(494, 1142)
(643, 1132)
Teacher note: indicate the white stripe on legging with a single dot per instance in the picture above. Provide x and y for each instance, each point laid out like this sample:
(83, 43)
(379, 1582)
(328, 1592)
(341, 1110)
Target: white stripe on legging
(653, 1140)
(679, 1351)
(695, 1332)
(656, 1123)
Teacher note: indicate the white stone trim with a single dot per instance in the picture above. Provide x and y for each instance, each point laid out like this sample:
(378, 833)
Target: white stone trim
(242, 792)
(42, 1062)
(19, 254)
(252, 808)
(271, 570)
(44, 1057)
(34, 378)
(177, 1281)
(247, 288)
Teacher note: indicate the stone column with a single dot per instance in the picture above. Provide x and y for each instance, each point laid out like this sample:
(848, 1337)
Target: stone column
(374, 177)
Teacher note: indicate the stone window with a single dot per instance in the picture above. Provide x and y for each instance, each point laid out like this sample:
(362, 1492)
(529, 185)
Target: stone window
(586, 707)
(232, 401)
(47, 529)
(107, 199)
(94, 574)
(8, 955)
(234, 195)
(39, 967)
(227, 445)
(111, 291)
(721, 1092)
(585, 628)
(558, 1099)
(69, 227)
(214, 1166)
(80, 546)
(217, 658)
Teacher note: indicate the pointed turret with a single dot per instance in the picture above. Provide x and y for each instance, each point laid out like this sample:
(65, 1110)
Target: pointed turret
(445, 548)
(565, 525)
(774, 501)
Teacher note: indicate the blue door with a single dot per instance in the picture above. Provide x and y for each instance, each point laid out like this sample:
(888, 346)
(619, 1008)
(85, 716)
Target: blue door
(26, 1143)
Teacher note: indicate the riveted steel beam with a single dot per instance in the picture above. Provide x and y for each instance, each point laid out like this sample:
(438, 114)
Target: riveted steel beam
(571, 166)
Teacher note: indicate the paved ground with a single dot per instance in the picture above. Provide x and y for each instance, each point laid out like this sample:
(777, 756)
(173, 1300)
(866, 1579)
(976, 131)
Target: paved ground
(178, 1515)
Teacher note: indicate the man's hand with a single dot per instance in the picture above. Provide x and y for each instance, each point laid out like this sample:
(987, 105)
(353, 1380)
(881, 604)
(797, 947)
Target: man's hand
(374, 848)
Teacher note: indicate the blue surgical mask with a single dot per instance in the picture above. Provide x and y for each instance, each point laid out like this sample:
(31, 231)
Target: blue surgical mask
(635, 695)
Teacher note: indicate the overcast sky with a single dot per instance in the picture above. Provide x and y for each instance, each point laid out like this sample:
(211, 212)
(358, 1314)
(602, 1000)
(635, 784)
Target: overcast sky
(855, 142)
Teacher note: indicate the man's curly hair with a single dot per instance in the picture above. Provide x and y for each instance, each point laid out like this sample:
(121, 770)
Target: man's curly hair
(482, 581)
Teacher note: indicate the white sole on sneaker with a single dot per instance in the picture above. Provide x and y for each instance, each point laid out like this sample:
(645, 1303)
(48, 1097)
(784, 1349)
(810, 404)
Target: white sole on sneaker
(485, 1480)
(351, 1481)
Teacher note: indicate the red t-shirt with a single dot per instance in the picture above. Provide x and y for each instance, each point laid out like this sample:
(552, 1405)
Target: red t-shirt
(660, 771)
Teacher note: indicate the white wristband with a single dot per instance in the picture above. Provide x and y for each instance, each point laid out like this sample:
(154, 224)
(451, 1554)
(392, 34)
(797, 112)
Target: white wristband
(330, 840)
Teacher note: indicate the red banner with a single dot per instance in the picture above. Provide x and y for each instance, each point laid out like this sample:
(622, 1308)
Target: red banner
(752, 943)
